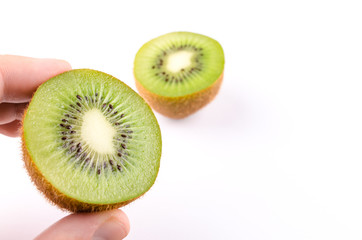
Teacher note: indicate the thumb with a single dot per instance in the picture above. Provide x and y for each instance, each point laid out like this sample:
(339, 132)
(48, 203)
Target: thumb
(109, 225)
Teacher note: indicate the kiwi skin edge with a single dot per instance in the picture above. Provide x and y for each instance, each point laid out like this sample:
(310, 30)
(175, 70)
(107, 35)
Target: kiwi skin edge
(54, 195)
(183, 106)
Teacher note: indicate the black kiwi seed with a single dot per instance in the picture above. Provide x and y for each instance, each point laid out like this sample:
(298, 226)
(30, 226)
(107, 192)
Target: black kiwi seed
(123, 146)
(119, 167)
(79, 97)
(64, 138)
(79, 105)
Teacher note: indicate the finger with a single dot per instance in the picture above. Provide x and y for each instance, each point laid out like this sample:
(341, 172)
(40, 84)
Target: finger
(11, 129)
(20, 76)
(11, 111)
(107, 225)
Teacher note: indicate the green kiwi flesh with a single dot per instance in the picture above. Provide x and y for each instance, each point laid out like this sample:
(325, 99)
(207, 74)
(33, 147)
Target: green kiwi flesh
(90, 143)
(176, 66)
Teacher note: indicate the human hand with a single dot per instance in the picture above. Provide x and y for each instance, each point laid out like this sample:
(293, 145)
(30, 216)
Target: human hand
(19, 78)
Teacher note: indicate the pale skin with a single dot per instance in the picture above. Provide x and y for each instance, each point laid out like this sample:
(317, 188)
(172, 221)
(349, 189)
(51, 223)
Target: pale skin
(19, 78)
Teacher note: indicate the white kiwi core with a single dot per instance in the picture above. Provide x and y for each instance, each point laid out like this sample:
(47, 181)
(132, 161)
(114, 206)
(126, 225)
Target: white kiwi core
(98, 132)
(179, 60)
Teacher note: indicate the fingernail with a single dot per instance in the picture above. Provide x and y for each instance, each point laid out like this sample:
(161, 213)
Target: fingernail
(111, 229)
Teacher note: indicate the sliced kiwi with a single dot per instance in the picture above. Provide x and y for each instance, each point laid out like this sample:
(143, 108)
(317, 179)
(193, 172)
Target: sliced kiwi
(179, 73)
(90, 143)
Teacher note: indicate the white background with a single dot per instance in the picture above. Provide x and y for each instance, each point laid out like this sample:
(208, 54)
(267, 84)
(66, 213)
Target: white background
(277, 154)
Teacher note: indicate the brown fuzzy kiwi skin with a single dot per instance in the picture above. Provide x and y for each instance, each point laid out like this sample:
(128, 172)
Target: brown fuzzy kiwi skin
(183, 106)
(54, 195)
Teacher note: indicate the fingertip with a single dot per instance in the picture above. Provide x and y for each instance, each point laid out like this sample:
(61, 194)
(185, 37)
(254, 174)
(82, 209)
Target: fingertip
(109, 225)
(59, 64)
(116, 227)
(20, 76)
(121, 217)
(66, 64)
(49, 67)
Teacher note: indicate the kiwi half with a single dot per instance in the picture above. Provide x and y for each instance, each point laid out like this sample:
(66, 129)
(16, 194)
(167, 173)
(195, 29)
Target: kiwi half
(179, 73)
(90, 143)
